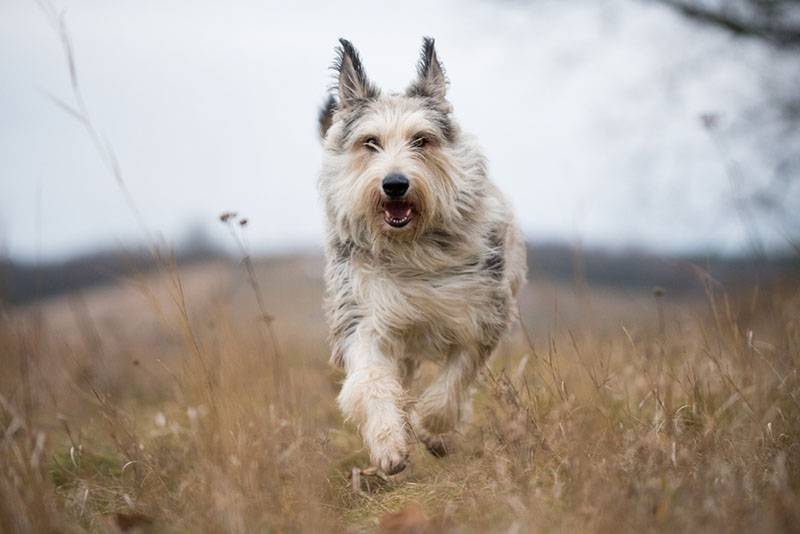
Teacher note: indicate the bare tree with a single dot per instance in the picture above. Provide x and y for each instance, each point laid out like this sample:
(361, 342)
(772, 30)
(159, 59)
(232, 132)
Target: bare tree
(776, 22)
(773, 126)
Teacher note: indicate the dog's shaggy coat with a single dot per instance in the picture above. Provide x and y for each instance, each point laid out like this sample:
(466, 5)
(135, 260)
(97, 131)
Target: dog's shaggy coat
(432, 276)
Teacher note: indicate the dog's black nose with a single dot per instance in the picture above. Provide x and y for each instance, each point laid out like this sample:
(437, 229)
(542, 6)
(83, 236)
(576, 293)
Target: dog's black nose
(395, 185)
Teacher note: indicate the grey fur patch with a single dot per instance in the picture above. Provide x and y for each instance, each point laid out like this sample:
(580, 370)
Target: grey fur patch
(350, 120)
(441, 239)
(343, 250)
(343, 326)
(344, 315)
(495, 263)
(325, 116)
(493, 327)
(439, 115)
(442, 120)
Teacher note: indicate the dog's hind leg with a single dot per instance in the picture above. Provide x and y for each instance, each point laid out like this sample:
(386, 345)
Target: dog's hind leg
(445, 403)
(408, 371)
(372, 396)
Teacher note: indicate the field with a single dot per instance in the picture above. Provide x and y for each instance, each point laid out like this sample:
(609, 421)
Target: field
(200, 399)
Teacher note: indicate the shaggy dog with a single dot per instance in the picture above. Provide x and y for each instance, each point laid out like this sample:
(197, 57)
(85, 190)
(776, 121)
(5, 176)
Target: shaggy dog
(423, 256)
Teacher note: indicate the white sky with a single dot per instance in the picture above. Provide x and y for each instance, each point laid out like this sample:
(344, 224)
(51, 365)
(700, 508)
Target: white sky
(588, 111)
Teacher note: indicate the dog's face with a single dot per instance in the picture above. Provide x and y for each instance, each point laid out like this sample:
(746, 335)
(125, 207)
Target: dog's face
(391, 160)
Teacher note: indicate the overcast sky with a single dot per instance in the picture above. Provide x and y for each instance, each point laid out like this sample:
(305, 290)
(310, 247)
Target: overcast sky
(588, 112)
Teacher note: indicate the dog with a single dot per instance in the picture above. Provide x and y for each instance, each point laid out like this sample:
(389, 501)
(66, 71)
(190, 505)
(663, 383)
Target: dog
(424, 257)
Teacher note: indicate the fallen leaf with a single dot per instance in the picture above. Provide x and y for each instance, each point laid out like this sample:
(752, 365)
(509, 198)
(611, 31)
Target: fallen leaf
(409, 520)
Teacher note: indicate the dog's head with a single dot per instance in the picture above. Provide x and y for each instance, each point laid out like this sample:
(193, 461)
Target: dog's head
(394, 162)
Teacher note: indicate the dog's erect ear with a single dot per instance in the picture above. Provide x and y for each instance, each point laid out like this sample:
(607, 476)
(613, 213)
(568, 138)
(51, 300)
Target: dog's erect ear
(325, 116)
(353, 83)
(431, 81)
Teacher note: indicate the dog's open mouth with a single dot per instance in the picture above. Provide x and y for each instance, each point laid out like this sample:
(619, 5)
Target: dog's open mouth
(397, 213)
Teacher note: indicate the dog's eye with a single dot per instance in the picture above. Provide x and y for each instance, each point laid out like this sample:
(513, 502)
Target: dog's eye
(372, 144)
(419, 142)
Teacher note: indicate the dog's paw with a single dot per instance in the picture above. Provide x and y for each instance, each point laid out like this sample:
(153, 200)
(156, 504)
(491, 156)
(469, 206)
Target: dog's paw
(394, 463)
(390, 461)
(439, 445)
(389, 451)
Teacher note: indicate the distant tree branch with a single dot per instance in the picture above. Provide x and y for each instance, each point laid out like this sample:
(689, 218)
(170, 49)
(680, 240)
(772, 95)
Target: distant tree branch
(763, 28)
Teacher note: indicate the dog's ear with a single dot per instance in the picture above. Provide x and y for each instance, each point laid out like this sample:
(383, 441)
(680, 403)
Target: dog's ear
(431, 80)
(353, 83)
(325, 117)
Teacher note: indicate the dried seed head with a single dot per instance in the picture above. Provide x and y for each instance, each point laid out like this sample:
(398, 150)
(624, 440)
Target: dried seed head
(225, 216)
(659, 292)
(710, 120)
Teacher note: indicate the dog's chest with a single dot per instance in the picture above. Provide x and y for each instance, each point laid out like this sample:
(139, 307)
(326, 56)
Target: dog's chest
(427, 312)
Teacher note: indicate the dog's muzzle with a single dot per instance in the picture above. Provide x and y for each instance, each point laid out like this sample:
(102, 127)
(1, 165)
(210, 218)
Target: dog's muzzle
(397, 211)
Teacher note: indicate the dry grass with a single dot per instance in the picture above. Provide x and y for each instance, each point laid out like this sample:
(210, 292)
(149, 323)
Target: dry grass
(174, 403)
(166, 404)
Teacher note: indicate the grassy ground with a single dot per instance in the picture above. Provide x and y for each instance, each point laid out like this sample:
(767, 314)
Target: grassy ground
(170, 404)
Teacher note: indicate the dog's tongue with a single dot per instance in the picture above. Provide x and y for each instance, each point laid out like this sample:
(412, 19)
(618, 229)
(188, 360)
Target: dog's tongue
(397, 210)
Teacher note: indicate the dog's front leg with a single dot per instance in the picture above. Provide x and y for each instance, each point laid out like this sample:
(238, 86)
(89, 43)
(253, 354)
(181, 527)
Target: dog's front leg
(445, 402)
(371, 396)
